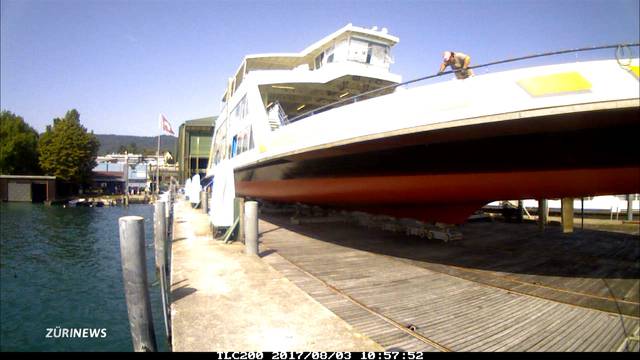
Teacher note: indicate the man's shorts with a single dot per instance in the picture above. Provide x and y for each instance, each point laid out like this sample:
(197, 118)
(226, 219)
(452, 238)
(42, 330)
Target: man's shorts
(463, 74)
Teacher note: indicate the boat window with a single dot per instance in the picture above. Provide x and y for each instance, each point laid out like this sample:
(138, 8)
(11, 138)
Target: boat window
(378, 54)
(234, 146)
(240, 112)
(319, 59)
(242, 142)
(329, 54)
(358, 50)
(368, 52)
(220, 142)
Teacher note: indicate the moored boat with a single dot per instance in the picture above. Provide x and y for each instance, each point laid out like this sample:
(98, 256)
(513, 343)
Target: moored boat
(435, 152)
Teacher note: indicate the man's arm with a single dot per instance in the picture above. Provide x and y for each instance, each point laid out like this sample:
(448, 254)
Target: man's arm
(467, 60)
(442, 67)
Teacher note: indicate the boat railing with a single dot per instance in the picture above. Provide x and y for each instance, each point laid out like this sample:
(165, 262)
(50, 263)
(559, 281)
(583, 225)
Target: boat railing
(622, 53)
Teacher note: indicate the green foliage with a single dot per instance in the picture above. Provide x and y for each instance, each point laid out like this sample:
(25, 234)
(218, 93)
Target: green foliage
(67, 150)
(132, 148)
(18, 146)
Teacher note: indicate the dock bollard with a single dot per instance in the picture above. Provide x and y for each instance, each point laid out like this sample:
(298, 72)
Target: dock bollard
(203, 202)
(251, 228)
(134, 272)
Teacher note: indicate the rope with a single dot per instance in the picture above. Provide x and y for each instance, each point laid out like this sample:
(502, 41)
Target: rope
(619, 54)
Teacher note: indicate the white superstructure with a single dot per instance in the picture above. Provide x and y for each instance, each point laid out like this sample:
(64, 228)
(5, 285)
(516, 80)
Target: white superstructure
(348, 62)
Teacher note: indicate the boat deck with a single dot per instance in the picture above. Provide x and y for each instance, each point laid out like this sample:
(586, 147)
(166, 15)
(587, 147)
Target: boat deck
(504, 287)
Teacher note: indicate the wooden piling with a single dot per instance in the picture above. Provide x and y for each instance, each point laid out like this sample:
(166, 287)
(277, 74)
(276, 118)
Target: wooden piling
(134, 272)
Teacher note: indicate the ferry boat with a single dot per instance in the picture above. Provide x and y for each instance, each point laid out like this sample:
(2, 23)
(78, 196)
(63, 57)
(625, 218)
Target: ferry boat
(306, 128)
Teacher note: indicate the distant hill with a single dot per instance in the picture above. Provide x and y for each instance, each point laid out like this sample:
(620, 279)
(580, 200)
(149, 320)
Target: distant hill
(149, 144)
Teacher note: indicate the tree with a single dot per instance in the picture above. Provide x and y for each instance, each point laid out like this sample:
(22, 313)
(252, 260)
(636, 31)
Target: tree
(67, 150)
(18, 146)
(132, 148)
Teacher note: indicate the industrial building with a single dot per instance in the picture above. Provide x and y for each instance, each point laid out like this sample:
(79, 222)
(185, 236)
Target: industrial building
(194, 143)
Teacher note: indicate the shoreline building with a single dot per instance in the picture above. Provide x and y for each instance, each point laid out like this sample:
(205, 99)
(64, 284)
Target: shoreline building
(139, 176)
(194, 143)
(28, 188)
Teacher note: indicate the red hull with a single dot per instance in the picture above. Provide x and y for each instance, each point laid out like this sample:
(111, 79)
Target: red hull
(449, 198)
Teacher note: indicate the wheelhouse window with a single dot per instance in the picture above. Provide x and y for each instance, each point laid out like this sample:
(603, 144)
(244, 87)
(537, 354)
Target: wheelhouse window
(368, 52)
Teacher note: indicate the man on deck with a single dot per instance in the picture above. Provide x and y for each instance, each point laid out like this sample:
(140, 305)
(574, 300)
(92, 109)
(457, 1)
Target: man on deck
(459, 62)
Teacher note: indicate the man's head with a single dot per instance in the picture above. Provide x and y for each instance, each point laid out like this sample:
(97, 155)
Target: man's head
(447, 55)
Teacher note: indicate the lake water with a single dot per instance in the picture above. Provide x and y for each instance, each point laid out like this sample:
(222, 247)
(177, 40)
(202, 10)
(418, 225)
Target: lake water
(60, 267)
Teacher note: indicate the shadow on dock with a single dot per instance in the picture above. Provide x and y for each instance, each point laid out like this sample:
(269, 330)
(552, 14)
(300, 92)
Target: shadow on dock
(589, 268)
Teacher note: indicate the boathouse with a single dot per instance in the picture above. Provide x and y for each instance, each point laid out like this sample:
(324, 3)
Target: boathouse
(27, 188)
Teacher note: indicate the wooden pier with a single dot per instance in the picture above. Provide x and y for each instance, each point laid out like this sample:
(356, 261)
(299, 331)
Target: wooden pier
(224, 300)
(344, 287)
(505, 287)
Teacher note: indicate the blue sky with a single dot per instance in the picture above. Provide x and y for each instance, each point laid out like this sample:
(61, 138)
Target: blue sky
(121, 63)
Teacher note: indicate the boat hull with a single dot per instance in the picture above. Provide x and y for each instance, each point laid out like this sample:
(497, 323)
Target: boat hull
(449, 198)
(445, 176)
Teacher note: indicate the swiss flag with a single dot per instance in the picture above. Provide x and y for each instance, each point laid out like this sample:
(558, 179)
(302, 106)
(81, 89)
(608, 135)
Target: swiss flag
(165, 125)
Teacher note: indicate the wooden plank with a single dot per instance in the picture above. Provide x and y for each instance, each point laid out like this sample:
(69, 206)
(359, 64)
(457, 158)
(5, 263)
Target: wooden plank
(445, 332)
(497, 331)
(549, 329)
(613, 340)
(553, 343)
(523, 331)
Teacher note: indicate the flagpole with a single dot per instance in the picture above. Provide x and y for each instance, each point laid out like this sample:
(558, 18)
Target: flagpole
(164, 126)
(158, 167)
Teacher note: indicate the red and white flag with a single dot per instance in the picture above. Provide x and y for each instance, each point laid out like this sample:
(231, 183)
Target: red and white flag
(165, 125)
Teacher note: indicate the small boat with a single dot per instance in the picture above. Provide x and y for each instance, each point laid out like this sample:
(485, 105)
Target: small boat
(76, 203)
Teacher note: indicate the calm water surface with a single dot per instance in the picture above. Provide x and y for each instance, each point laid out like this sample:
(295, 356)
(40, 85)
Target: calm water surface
(61, 267)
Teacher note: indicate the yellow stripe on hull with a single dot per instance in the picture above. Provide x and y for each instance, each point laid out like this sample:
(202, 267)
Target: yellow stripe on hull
(555, 84)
